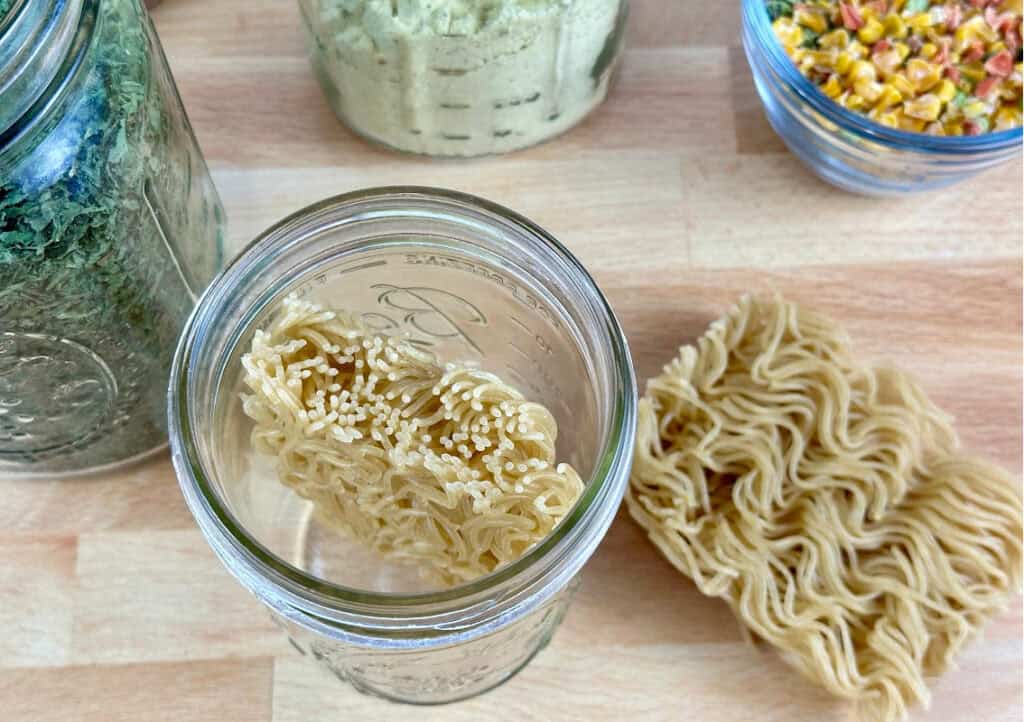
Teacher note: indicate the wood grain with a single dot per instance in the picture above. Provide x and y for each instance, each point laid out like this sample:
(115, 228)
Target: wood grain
(144, 497)
(198, 691)
(36, 584)
(679, 198)
(162, 596)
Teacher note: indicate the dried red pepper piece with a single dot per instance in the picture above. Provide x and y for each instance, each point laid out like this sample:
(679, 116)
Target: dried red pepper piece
(1000, 64)
(852, 19)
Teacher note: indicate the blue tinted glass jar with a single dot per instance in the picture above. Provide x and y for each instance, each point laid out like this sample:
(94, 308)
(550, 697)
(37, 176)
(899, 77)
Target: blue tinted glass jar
(848, 149)
(109, 228)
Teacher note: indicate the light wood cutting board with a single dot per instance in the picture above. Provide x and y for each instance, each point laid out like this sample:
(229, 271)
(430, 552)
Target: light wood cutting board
(679, 198)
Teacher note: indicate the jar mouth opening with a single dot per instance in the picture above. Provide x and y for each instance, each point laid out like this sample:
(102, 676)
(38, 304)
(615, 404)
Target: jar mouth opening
(757, 31)
(590, 516)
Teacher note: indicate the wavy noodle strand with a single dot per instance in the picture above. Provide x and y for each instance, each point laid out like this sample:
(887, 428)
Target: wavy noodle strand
(447, 467)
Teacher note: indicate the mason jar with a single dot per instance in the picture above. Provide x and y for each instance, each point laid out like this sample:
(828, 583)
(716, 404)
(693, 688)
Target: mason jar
(109, 229)
(464, 79)
(469, 281)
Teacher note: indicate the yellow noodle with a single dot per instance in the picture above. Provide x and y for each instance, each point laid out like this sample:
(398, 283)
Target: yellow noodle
(826, 501)
(447, 467)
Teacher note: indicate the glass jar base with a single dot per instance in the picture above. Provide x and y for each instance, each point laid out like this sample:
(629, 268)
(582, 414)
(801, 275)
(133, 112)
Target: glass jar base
(439, 676)
(463, 148)
(66, 468)
(396, 147)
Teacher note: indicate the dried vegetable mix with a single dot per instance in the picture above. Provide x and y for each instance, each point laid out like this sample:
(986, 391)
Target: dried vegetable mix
(108, 225)
(949, 67)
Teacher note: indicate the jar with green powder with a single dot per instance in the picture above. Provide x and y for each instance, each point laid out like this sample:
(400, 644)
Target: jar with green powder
(109, 228)
(464, 77)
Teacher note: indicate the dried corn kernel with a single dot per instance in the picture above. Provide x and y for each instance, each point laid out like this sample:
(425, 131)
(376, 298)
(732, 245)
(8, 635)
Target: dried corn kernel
(927, 107)
(844, 61)
(862, 70)
(920, 22)
(821, 58)
(889, 119)
(857, 50)
(888, 61)
(855, 102)
(895, 27)
(788, 32)
(811, 18)
(889, 96)
(870, 90)
(838, 38)
(1007, 118)
(923, 75)
(946, 91)
(911, 125)
(872, 32)
(832, 88)
(901, 84)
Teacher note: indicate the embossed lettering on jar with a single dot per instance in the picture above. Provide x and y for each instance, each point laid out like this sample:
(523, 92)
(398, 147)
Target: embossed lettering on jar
(109, 229)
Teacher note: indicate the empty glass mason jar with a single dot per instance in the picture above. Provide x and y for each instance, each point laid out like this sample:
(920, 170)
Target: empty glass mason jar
(470, 281)
(456, 78)
(109, 229)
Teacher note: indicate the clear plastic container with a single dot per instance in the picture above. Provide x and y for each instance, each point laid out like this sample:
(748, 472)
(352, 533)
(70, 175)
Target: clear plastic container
(451, 78)
(470, 281)
(110, 227)
(848, 149)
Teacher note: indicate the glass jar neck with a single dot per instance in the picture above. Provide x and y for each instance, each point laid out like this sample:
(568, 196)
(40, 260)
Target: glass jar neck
(35, 39)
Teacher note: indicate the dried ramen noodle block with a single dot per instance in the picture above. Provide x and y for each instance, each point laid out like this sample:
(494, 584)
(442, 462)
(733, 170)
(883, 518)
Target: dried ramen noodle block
(447, 467)
(826, 501)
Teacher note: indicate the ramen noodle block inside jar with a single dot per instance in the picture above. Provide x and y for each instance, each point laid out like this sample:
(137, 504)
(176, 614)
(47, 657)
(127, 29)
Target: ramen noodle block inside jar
(404, 419)
(464, 77)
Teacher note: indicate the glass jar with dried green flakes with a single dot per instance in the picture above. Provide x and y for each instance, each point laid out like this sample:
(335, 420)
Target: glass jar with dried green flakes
(109, 228)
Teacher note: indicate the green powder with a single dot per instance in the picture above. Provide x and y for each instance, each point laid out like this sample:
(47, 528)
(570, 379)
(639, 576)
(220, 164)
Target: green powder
(109, 226)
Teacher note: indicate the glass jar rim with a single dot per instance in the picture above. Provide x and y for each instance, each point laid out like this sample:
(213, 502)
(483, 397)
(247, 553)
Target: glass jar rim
(7, 19)
(52, 48)
(545, 565)
(758, 22)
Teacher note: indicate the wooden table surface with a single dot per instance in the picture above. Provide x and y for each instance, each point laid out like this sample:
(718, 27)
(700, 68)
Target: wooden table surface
(678, 197)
